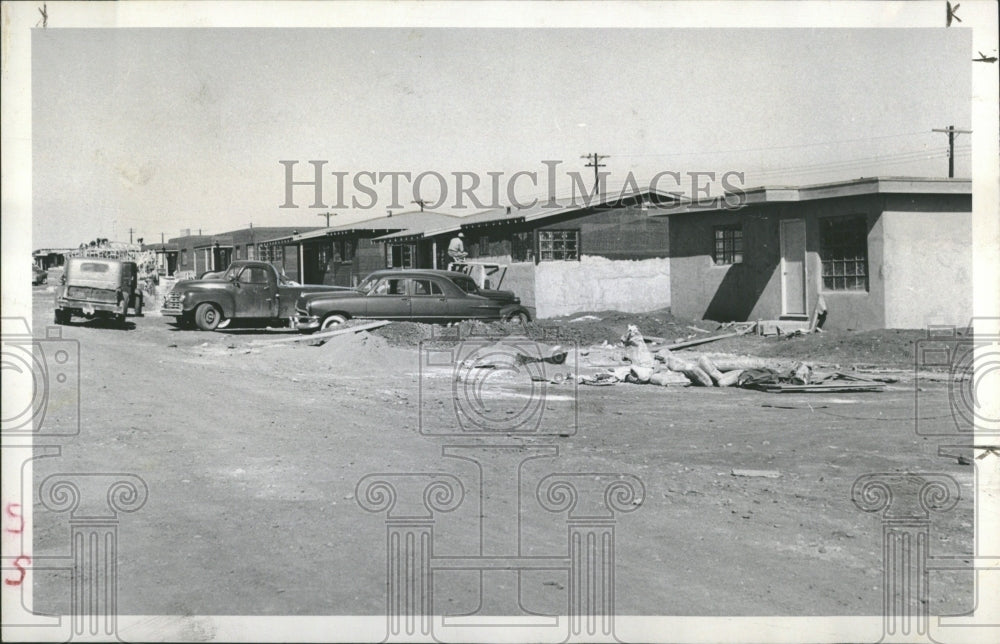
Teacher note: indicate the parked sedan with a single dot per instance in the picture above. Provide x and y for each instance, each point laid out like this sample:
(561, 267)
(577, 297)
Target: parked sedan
(415, 295)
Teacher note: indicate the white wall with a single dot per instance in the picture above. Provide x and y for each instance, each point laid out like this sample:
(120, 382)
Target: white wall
(601, 284)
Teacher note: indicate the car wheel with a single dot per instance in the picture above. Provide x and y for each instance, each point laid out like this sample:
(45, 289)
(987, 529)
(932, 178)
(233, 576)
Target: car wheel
(520, 317)
(207, 316)
(331, 322)
(61, 317)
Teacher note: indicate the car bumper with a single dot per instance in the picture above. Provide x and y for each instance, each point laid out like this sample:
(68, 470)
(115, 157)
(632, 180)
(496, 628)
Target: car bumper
(306, 322)
(86, 306)
(176, 312)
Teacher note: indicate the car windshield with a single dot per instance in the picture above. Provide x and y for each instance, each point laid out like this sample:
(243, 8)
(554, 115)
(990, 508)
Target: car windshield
(231, 272)
(367, 284)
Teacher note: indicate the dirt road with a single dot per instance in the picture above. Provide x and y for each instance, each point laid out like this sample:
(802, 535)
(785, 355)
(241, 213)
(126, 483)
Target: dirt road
(252, 455)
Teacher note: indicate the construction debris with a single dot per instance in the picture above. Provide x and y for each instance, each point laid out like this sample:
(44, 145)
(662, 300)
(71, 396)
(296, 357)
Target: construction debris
(763, 474)
(323, 337)
(636, 350)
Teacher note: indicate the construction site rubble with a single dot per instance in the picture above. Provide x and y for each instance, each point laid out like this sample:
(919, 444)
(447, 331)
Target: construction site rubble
(633, 362)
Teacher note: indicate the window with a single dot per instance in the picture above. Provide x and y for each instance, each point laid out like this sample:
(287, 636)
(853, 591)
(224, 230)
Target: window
(483, 246)
(521, 248)
(237, 252)
(184, 257)
(322, 257)
(844, 253)
(554, 245)
(399, 256)
(728, 245)
(250, 252)
(390, 286)
(426, 287)
(346, 248)
(253, 275)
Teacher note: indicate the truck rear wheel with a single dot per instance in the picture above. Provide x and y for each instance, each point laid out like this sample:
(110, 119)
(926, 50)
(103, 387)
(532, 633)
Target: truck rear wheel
(207, 316)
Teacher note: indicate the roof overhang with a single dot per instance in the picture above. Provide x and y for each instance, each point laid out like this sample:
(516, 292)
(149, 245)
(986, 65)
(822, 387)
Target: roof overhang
(853, 188)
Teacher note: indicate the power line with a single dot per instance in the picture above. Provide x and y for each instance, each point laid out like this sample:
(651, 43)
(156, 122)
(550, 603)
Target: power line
(777, 147)
(952, 132)
(595, 163)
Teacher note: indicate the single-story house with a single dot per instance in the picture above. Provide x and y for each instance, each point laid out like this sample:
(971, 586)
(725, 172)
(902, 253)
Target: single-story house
(563, 257)
(882, 252)
(166, 257)
(196, 254)
(343, 255)
(46, 258)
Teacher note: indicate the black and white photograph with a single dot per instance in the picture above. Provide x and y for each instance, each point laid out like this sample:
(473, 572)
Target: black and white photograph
(501, 322)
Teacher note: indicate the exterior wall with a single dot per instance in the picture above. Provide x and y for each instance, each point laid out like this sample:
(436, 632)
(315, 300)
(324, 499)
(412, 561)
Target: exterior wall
(752, 290)
(519, 278)
(600, 284)
(928, 268)
(616, 233)
(185, 253)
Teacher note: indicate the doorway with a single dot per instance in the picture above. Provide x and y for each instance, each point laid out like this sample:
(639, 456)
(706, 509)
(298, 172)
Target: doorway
(793, 268)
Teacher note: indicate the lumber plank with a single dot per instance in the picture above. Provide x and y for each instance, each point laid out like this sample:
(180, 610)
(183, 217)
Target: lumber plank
(328, 334)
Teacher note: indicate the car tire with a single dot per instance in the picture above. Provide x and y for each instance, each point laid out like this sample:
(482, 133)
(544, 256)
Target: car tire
(519, 316)
(207, 316)
(61, 317)
(331, 321)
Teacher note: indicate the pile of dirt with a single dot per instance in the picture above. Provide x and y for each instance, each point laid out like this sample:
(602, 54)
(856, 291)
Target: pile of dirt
(883, 347)
(362, 349)
(584, 329)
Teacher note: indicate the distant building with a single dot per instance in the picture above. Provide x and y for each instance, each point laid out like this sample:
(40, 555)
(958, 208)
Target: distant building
(198, 254)
(877, 252)
(46, 258)
(343, 255)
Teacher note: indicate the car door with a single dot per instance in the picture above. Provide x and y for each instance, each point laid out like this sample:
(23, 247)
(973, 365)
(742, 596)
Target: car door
(389, 300)
(427, 299)
(253, 293)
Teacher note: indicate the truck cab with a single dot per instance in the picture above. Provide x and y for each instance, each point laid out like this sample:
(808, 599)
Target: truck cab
(247, 290)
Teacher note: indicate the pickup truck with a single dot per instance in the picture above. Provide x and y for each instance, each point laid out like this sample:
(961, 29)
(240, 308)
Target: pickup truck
(247, 291)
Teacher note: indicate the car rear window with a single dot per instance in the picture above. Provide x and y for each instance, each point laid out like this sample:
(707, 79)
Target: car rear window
(93, 267)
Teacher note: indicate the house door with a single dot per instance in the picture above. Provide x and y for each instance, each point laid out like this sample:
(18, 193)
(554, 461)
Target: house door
(793, 267)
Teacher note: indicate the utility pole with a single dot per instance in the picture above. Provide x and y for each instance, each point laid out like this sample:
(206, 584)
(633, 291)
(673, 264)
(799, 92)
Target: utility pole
(420, 202)
(161, 239)
(595, 163)
(951, 132)
(130, 231)
(322, 214)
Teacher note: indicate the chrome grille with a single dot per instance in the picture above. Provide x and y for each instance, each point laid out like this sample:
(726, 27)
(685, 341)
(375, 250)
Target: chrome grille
(173, 300)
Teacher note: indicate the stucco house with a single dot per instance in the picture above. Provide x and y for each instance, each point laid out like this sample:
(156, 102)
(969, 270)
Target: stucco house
(882, 252)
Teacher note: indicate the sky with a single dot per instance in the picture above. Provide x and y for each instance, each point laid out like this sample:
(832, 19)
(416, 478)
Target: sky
(160, 130)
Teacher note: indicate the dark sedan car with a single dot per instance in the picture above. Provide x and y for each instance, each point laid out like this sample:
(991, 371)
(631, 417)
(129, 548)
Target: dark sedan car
(416, 295)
